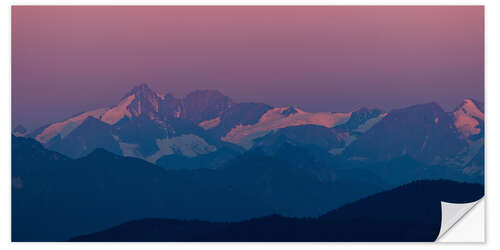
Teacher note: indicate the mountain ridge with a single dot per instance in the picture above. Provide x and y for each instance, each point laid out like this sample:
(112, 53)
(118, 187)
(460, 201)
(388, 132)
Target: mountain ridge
(411, 212)
(252, 184)
(146, 123)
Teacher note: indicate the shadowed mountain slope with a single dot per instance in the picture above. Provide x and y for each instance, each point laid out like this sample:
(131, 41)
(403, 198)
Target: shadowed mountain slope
(424, 132)
(54, 197)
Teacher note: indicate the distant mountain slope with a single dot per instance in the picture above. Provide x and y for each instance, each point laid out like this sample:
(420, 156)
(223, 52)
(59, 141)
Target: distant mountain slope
(476, 165)
(359, 118)
(305, 135)
(210, 160)
(87, 137)
(278, 118)
(424, 132)
(469, 118)
(411, 212)
(237, 114)
(322, 138)
(360, 121)
(19, 130)
(204, 105)
(55, 197)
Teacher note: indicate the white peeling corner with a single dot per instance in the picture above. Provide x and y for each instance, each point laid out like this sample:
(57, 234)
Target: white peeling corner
(451, 214)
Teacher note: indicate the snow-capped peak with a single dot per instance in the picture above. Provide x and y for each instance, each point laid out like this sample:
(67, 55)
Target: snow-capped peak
(467, 118)
(139, 89)
(117, 113)
(65, 127)
(275, 119)
(138, 100)
(290, 110)
(470, 108)
(145, 100)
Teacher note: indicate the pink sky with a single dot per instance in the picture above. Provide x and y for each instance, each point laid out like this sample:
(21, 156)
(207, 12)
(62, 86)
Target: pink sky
(70, 59)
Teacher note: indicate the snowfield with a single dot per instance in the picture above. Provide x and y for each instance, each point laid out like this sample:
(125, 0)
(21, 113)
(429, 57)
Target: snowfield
(188, 145)
(466, 119)
(117, 113)
(208, 124)
(65, 127)
(274, 119)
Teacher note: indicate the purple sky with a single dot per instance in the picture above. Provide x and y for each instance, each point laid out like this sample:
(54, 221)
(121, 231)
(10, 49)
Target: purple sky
(71, 59)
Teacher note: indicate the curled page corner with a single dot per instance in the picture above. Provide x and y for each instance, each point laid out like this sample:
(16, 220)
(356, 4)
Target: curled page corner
(451, 213)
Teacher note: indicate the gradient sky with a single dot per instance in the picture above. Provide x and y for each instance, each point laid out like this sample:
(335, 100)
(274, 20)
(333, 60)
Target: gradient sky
(70, 59)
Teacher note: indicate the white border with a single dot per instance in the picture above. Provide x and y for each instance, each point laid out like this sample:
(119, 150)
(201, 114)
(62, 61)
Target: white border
(492, 10)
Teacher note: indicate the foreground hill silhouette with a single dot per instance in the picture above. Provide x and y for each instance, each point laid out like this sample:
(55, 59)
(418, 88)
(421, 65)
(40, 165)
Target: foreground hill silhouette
(411, 212)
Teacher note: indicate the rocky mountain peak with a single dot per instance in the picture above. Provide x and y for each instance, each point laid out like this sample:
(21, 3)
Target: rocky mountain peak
(145, 100)
(201, 105)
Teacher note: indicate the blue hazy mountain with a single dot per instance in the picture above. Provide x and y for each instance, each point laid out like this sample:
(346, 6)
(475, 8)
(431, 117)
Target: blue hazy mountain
(410, 212)
(359, 117)
(70, 197)
(424, 132)
(239, 114)
(91, 134)
(211, 160)
(305, 135)
(19, 130)
(204, 105)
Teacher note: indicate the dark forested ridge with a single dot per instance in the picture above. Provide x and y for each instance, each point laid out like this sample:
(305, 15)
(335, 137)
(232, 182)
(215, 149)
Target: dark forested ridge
(411, 212)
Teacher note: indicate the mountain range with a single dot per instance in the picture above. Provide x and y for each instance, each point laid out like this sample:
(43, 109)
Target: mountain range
(206, 124)
(55, 198)
(103, 189)
(206, 157)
